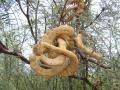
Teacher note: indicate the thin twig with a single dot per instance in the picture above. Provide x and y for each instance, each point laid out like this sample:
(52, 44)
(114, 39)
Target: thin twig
(83, 56)
(55, 3)
(18, 1)
(28, 18)
(62, 11)
(103, 9)
(94, 86)
(82, 78)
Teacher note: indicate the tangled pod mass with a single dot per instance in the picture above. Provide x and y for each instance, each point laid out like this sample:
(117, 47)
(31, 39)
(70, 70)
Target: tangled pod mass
(54, 50)
(73, 8)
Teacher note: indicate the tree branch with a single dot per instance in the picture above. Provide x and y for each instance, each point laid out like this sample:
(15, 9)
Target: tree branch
(55, 3)
(83, 56)
(103, 9)
(28, 18)
(62, 11)
(94, 86)
(101, 65)
(5, 50)
(18, 1)
(82, 78)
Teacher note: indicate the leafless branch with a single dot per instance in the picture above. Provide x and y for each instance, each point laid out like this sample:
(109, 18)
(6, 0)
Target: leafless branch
(100, 65)
(36, 18)
(82, 78)
(5, 50)
(94, 86)
(55, 3)
(83, 56)
(103, 9)
(62, 11)
(28, 18)
(18, 1)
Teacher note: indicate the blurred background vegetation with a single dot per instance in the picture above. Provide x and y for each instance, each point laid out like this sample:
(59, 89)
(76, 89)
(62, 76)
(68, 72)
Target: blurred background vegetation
(100, 22)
